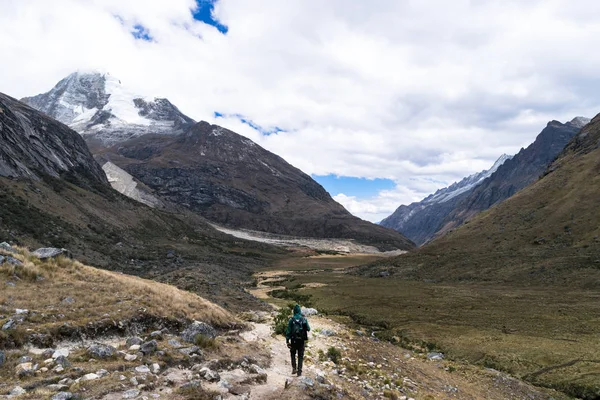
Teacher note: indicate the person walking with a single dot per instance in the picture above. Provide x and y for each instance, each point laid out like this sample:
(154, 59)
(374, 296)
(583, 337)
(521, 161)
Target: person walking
(295, 336)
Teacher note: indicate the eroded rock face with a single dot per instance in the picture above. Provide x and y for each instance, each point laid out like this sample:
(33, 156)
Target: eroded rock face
(39, 146)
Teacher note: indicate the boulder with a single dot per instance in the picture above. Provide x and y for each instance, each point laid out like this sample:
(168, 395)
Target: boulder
(130, 357)
(101, 351)
(435, 356)
(63, 396)
(50, 252)
(149, 347)
(209, 374)
(198, 328)
(309, 311)
(10, 324)
(7, 247)
(25, 369)
(134, 340)
(17, 391)
(142, 369)
(131, 394)
(90, 377)
(62, 361)
(60, 353)
(13, 261)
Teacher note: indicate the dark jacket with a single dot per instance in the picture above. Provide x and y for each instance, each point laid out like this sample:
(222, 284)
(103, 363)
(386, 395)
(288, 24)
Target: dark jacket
(305, 325)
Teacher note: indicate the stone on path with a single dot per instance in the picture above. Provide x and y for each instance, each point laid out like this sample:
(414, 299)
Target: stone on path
(101, 351)
(60, 353)
(149, 347)
(131, 394)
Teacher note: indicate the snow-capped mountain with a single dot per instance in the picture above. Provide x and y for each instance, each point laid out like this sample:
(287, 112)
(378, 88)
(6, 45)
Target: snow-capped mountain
(450, 207)
(468, 183)
(98, 105)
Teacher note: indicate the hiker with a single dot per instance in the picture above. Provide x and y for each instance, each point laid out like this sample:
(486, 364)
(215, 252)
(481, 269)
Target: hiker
(295, 336)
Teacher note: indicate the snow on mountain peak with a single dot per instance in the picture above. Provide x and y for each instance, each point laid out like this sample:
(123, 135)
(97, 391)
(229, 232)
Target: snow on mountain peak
(580, 122)
(98, 103)
(466, 184)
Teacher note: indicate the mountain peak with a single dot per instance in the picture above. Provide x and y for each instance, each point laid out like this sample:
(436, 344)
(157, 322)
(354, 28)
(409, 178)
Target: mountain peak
(97, 103)
(580, 122)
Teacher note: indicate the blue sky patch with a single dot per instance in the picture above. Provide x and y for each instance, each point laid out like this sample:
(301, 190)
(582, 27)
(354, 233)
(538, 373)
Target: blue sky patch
(204, 13)
(250, 123)
(140, 32)
(350, 186)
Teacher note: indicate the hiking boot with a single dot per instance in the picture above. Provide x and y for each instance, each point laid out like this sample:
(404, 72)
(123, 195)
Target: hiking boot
(294, 371)
(299, 373)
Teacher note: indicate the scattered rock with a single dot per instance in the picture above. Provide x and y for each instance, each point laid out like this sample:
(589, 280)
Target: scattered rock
(7, 247)
(188, 351)
(130, 357)
(17, 391)
(90, 377)
(255, 369)
(58, 369)
(135, 347)
(209, 374)
(101, 351)
(142, 369)
(56, 387)
(13, 261)
(175, 343)
(131, 394)
(25, 369)
(10, 324)
(21, 311)
(155, 368)
(306, 382)
(149, 347)
(25, 359)
(68, 300)
(2, 358)
(60, 353)
(62, 361)
(435, 356)
(239, 390)
(309, 311)
(132, 341)
(48, 353)
(198, 328)
(102, 373)
(328, 332)
(50, 252)
(156, 335)
(63, 396)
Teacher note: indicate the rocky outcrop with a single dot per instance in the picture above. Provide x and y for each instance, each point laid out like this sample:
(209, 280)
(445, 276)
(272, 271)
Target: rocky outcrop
(35, 146)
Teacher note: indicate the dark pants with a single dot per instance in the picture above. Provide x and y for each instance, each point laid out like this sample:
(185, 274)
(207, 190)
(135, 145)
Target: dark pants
(297, 346)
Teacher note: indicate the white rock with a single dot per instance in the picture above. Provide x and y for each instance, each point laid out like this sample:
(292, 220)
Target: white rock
(130, 357)
(60, 352)
(142, 369)
(90, 377)
(135, 347)
(155, 368)
(131, 394)
(17, 391)
(20, 311)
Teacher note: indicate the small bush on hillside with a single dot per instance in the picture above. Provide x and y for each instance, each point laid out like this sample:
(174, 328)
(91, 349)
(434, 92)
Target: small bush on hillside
(196, 392)
(280, 322)
(334, 354)
(205, 342)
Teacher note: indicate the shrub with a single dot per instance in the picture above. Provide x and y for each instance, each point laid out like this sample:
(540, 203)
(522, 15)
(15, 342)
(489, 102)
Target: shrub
(205, 342)
(334, 354)
(280, 322)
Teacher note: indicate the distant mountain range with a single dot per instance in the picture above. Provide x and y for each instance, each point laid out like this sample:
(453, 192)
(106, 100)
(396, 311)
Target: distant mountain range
(452, 206)
(156, 155)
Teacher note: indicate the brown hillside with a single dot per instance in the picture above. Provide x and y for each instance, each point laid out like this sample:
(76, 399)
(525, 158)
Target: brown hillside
(548, 233)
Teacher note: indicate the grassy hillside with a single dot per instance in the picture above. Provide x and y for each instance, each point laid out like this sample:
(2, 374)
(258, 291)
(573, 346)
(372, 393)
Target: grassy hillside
(546, 234)
(108, 230)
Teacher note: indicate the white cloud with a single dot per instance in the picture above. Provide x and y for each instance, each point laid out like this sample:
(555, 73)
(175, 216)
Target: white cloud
(408, 91)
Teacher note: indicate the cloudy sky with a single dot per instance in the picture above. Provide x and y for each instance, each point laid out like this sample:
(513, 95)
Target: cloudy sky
(382, 101)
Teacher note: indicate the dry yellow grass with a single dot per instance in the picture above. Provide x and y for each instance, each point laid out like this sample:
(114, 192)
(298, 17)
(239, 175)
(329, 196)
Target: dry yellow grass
(43, 286)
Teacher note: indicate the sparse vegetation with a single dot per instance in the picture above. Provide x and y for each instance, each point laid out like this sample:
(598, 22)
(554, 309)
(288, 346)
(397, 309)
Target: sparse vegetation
(205, 342)
(334, 355)
(280, 322)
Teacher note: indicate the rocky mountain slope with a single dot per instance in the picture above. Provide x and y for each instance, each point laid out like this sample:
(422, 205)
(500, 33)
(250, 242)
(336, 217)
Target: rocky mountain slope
(420, 221)
(232, 181)
(452, 206)
(156, 155)
(515, 174)
(545, 234)
(52, 192)
(101, 108)
(35, 146)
